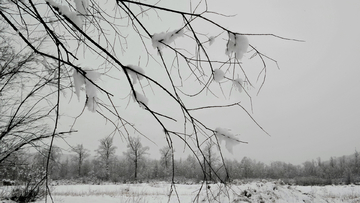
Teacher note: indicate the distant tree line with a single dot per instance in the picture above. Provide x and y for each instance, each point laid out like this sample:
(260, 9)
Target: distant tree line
(135, 165)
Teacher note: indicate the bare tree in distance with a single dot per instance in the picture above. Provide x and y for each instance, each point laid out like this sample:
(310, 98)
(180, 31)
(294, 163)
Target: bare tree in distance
(106, 152)
(174, 65)
(166, 159)
(210, 159)
(80, 155)
(135, 153)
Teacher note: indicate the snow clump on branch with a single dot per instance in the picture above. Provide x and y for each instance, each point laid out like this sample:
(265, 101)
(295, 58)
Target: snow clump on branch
(230, 139)
(237, 44)
(133, 74)
(81, 7)
(79, 80)
(141, 99)
(218, 75)
(238, 84)
(159, 39)
(90, 88)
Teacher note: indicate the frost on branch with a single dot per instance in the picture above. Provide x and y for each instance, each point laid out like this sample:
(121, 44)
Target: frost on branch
(134, 75)
(141, 99)
(237, 44)
(230, 139)
(218, 75)
(159, 39)
(90, 88)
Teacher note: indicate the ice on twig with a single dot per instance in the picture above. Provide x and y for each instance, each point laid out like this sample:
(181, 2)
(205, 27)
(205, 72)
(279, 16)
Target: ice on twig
(133, 74)
(141, 99)
(228, 137)
(159, 39)
(237, 44)
(218, 75)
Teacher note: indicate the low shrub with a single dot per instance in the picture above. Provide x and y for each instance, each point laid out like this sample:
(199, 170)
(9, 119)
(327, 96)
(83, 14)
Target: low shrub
(25, 193)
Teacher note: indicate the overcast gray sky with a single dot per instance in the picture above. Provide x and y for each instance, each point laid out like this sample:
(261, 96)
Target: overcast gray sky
(310, 106)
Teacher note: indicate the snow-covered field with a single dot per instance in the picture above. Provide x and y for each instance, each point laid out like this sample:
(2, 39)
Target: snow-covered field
(260, 191)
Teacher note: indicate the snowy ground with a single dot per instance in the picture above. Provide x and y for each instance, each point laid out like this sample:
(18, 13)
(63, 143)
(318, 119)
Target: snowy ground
(260, 191)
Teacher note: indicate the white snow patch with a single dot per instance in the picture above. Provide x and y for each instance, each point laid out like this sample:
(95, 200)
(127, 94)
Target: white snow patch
(237, 44)
(256, 191)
